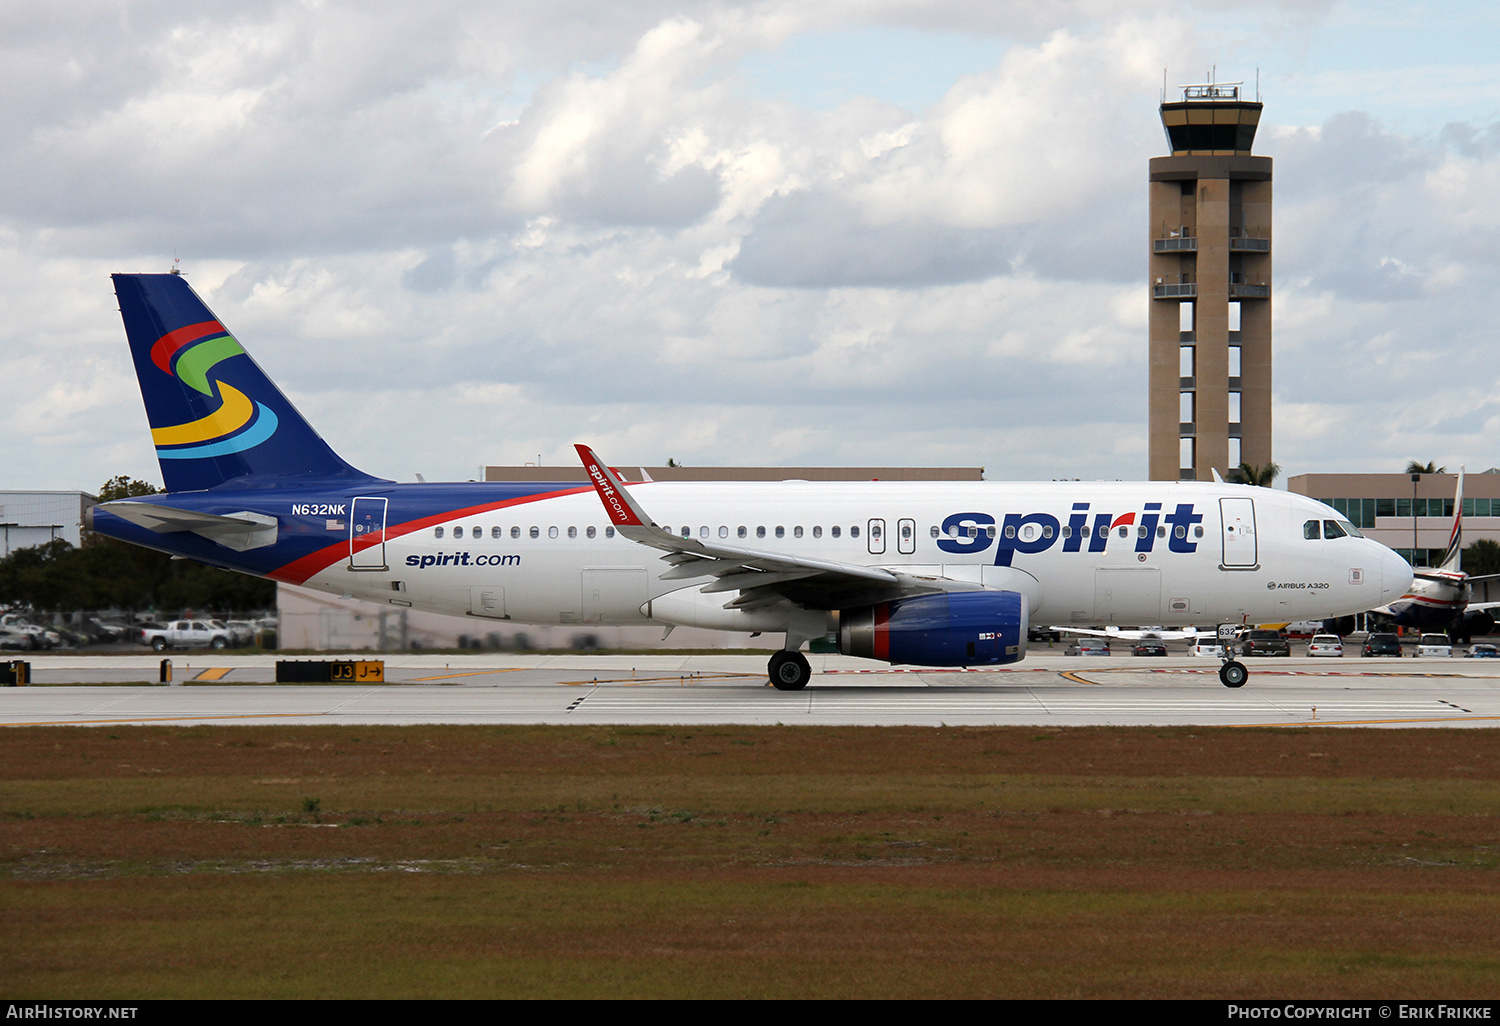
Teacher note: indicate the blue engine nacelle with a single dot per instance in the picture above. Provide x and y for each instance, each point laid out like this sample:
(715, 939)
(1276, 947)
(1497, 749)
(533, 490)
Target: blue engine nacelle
(955, 628)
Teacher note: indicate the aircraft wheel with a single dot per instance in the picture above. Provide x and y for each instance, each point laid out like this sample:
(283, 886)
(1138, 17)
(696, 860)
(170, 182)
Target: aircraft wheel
(1233, 674)
(789, 671)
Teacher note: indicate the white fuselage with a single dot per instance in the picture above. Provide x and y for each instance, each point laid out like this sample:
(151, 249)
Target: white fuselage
(1170, 553)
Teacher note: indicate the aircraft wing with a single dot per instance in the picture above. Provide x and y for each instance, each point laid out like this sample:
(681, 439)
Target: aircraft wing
(761, 577)
(238, 531)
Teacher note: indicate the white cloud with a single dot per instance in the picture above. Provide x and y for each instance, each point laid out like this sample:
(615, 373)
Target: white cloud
(469, 233)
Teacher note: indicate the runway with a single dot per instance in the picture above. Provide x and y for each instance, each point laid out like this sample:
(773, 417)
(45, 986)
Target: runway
(1047, 690)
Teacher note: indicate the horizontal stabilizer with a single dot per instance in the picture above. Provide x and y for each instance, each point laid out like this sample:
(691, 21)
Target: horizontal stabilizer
(238, 531)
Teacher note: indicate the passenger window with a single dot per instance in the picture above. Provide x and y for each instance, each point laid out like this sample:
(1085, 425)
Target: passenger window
(989, 532)
(437, 532)
(1140, 532)
(477, 532)
(1310, 530)
(551, 532)
(495, 532)
(1180, 531)
(536, 532)
(760, 532)
(1161, 532)
(934, 530)
(796, 532)
(703, 531)
(854, 532)
(572, 532)
(1198, 531)
(1124, 532)
(591, 531)
(458, 532)
(687, 532)
(609, 532)
(741, 531)
(906, 531)
(1010, 531)
(834, 531)
(817, 532)
(1046, 530)
(515, 532)
(780, 531)
(1103, 531)
(723, 532)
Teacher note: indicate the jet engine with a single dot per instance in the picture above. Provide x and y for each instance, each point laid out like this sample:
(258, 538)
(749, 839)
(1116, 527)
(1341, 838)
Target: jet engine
(956, 628)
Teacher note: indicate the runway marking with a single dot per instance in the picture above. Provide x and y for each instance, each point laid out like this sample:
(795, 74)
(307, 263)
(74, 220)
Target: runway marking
(681, 678)
(1070, 675)
(1359, 723)
(160, 719)
(215, 673)
(471, 673)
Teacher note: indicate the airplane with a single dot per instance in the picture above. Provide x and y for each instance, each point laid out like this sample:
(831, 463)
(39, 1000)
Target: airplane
(1439, 598)
(919, 573)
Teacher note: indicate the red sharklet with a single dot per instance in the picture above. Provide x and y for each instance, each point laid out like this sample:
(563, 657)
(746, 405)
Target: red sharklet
(616, 505)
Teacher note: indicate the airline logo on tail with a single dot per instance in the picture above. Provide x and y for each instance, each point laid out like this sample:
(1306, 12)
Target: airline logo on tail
(190, 354)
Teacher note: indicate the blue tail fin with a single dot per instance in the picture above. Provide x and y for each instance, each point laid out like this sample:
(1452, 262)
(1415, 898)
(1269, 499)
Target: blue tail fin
(215, 416)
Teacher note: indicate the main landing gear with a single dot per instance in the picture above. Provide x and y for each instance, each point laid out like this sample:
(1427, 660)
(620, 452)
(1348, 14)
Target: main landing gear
(789, 671)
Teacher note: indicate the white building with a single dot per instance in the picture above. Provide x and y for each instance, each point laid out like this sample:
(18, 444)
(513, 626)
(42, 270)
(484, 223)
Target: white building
(35, 518)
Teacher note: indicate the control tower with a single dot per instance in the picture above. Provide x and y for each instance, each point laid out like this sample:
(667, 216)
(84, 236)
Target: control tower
(1210, 324)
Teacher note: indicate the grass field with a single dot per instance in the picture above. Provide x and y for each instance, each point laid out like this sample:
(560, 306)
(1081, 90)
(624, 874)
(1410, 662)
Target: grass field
(745, 861)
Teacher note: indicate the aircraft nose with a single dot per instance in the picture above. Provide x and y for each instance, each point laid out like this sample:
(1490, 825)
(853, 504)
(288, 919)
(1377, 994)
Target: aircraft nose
(1395, 576)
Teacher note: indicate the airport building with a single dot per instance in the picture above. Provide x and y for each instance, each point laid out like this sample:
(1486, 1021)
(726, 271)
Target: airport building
(30, 518)
(1411, 513)
(1210, 281)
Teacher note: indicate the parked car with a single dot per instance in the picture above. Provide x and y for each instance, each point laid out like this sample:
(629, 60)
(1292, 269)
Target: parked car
(186, 634)
(1262, 643)
(1382, 645)
(1434, 646)
(1087, 647)
(1325, 645)
(1150, 648)
(1208, 648)
(1483, 652)
(15, 641)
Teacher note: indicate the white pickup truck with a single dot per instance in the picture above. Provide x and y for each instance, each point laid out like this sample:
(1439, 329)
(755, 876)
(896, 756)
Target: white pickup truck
(187, 634)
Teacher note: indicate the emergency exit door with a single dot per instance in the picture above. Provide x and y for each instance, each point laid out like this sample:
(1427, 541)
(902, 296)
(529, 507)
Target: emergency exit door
(1239, 534)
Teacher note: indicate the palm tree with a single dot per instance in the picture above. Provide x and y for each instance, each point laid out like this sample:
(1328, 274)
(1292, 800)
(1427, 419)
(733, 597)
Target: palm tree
(1413, 467)
(1249, 473)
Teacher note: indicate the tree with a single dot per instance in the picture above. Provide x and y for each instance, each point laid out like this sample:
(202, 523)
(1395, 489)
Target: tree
(1413, 467)
(1249, 473)
(122, 487)
(1482, 558)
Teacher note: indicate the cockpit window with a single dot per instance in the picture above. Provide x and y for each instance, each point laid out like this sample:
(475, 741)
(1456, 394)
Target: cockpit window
(1310, 530)
(1331, 529)
(1350, 529)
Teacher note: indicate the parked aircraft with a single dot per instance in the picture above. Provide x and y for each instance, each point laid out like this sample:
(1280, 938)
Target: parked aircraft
(907, 572)
(1439, 598)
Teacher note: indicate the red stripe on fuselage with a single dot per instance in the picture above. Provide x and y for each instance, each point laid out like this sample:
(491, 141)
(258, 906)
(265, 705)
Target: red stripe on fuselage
(166, 346)
(299, 570)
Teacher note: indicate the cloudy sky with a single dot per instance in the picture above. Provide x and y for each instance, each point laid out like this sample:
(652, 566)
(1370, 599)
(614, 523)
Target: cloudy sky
(776, 233)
